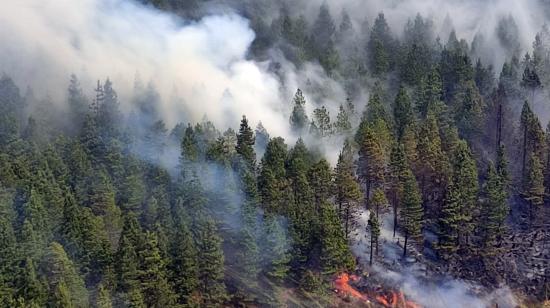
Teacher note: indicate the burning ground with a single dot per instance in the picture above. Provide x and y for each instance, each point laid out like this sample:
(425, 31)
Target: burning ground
(394, 281)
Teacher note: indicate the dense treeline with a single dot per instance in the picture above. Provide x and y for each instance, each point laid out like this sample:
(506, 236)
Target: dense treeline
(90, 216)
(95, 213)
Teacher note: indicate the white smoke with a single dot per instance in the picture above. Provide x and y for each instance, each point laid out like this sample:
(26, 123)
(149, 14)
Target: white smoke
(411, 278)
(204, 62)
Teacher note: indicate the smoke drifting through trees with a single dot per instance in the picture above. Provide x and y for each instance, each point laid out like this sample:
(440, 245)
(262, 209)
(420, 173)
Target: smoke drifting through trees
(206, 61)
(213, 64)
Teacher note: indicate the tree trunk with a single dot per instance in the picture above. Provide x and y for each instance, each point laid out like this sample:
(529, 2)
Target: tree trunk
(371, 243)
(394, 214)
(405, 245)
(524, 151)
(347, 221)
(368, 194)
(499, 127)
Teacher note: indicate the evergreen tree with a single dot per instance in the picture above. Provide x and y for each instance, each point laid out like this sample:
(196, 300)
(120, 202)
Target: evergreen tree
(127, 259)
(378, 200)
(412, 210)
(245, 143)
(65, 285)
(320, 179)
(380, 46)
(156, 290)
(531, 81)
(30, 287)
(465, 177)
(184, 267)
(402, 112)
(9, 256)
(374, 234)
(276, 249)
(78, 103)
(298, 118)
(109, 116)
(210, 263)
(348, 192)
(342, 125)
(450, 221)
(272, 180)
(398, 168)
(371, 162)
(321, 120)
(103, 299)
(534, 184)
(335, 254)
(495, 208)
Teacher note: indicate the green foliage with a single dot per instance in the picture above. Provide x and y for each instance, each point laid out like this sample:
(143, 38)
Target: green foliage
(245, 142)
(411, 212)
(65, 285)
(335, 253)
(210, 264)
(534, 183)
(298, 117)
(379, 47)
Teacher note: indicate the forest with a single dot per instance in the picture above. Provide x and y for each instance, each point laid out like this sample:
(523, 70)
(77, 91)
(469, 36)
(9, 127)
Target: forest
(432, 157)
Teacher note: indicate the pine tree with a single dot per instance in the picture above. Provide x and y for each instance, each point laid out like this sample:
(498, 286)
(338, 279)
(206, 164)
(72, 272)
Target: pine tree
(321, 122)
(156, 290)
(245, 143)
(429, 94)
(109, 116)
(398, 168)
(412, 210)
(432, 166)
(371, 162)
(378, 200)
(66, 286)
(465, 177)
(262, 138)
(379, 47)
(272, 179)
(275, 249)
(300, 210)
(210, 263)
(320, 179)
(348, 192)
(9, 256)
(495, 208)
(374, 234)
(184, 267)
(402, 112)
(103, 299)
(534, 184)
(335, 254)
(531, 81)
(127, 258)
(298, 118)
(533, 136)
(78, 103)
(450, 221)
(342, 125)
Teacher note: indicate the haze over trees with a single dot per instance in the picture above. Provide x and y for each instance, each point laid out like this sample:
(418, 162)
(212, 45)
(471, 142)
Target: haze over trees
(104, 206)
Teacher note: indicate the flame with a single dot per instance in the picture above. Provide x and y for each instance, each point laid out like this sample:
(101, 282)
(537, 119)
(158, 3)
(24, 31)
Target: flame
(390, 299)
(342, 285)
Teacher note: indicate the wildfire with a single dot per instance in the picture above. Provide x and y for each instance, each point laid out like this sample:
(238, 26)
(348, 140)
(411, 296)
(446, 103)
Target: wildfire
(343, 287)
(390, 299)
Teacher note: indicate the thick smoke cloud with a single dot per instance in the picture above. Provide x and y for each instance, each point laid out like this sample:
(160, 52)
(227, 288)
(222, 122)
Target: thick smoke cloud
(203, 63)
(202, 67)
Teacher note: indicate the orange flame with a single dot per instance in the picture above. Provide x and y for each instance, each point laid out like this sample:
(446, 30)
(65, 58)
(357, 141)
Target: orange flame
(342, 285)
(391, 300)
